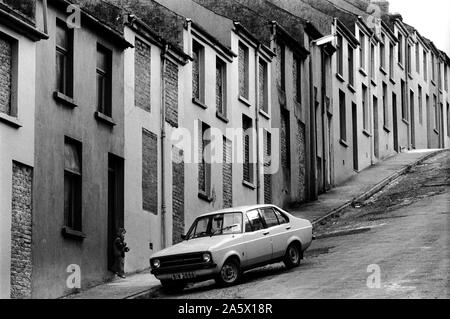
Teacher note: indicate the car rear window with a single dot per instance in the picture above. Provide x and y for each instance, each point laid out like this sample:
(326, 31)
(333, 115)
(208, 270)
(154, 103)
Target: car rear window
(269, 216)
(282, 219)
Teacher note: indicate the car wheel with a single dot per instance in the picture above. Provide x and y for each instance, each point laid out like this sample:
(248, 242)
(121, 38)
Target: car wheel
(230, 273)
(173, 286)
(293, 255)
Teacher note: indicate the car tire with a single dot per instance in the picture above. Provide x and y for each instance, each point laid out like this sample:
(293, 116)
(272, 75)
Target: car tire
(230, 273)
(173, 286)
(293, 255)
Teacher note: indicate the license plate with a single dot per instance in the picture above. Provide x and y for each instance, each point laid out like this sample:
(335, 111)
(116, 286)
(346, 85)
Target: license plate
(183, 275)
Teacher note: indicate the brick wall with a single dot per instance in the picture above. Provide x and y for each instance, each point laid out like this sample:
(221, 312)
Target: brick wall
(177, 195)
(196, 73)
(243, 71)
(149, 171)
(171, 91)
(284, 139)
(142, 71)
(301, 149)
(267, 162)
(5, 75)
(21, 223)
(262, 86)
(227, 174)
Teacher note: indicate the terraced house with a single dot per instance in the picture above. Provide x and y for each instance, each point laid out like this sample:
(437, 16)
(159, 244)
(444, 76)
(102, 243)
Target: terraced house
(144, 114)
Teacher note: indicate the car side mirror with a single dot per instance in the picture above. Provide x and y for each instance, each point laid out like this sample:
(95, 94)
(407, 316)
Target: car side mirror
(183, 236)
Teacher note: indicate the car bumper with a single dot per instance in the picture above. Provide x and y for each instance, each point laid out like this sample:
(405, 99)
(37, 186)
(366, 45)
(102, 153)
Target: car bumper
(196, 269)
(199, 274)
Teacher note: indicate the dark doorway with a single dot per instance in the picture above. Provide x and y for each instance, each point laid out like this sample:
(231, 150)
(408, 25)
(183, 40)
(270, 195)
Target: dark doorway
(394, 121)
(412, 120)
(115, 203)
(355, 136)
(376, 146)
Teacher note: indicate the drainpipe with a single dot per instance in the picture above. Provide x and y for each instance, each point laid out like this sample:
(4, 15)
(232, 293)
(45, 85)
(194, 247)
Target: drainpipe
(406, 98)
(45, 16)
(163, 137)
(312, 120)
(258, 195)
(323, 84)
(370, 101)
(438, 107)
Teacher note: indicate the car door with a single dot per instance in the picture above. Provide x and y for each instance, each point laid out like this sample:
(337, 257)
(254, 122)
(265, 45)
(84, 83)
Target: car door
(276, 231)
(257, 244)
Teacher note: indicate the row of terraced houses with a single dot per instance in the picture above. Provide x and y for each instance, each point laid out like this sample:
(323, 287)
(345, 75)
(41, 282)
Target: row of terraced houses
(106, 108)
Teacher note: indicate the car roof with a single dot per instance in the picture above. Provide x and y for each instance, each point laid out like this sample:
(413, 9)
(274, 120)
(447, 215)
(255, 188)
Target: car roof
(236, 209)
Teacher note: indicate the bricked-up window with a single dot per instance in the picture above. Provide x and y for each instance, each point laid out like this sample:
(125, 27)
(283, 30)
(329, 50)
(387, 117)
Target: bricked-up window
(243, 60)
(435, 112)
(8, 75)
(438, 65)
(362, 50)
(365, 108)
(372, 60)
(409, 52)
(142, 75)
(400, 48)
(267, 162)
(263, 99)
(282, 66)
(351, 65)
(297, 76)
(433, 67)
(247, 147)
(177, 195)
(104, 79)
(342, 117)
(149, 171)
(204, 166)
(227, 173)
(340, 56)
(171, 92)
(403, 101)
(221, 72)
(198, 69)
(285, 143)
(72, 184)
(391, 60)
(64, 58)
(417, 57)
(420, 98)
(383, 51)
(425, 66)
(385, 106)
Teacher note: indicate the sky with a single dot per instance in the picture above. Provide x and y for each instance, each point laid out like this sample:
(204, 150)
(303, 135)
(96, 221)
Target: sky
(430, 17)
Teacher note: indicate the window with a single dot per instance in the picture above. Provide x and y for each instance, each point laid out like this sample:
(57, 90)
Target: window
(435, 110)
(247, 135)
(215, 225)
(8, 75)
(420, 104)
(446, 77)
(149, 171)
(221, 87)
(342, 116)
(372, 61)
(400, 48)
(243, 70)
(296, 69)
(385, 107)
(351, 71)
(448, 119)
(409, 66)
(438, 65)
(362, 51)
(263, 87)
(198, 84)
(433, 68)
(365, 108)
(282, 67)
(383, 51)
(64, 53)
(204, 169)
(254, 221)
(104, 81)
(269, 216)
(340, 55)
(425, 66)
(418, 57)
(403, 101)
(72, 184)
(391, 60)
(282, 219)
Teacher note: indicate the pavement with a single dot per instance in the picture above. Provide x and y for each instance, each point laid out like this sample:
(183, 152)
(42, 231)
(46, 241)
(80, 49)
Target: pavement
(356, 189)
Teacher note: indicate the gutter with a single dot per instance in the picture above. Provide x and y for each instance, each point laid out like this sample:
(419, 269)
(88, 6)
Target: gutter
(163, 137)
(258, 186)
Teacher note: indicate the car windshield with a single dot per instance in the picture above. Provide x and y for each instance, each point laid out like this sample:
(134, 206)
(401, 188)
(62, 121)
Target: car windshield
(218, 224)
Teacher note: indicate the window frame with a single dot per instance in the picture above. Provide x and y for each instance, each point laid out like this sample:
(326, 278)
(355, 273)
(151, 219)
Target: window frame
(222, 66)
(245, 76)
(342, 117)
(67, 54)
(106, 75)
(73, 219)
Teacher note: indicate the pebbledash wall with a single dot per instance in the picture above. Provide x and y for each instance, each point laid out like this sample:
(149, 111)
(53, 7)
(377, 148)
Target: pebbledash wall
(17, 124)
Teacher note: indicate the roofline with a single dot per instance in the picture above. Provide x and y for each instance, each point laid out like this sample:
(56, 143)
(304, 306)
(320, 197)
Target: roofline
(211, 38)
(295, 45)
(388, 31)
(240, 29)
(346, 32)
(11, 19)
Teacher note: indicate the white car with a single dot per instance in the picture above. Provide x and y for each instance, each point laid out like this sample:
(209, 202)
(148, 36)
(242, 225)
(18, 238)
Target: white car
(223, 244)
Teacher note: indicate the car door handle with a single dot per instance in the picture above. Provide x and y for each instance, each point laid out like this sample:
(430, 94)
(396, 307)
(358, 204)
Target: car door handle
(266, 233)
(288, 227)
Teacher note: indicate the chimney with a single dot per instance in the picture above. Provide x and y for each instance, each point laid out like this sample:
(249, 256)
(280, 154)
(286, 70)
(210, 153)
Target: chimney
(382, 4)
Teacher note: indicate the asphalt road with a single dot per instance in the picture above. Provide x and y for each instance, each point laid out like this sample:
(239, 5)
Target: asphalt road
(395, 245)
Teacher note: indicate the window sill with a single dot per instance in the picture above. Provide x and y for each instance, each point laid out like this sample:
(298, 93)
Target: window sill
(392, 81)
(401, 65)
(340, 77)
(386, 129)
(104, 118)
(204, 196)
(72, 233)
(440, 91)
(363, 72)
(436, 131)
(264, 114)
(199, 103)
(343, 143)
(366, 133)
(383, 70)
(351, 88)
(374, 83)
(10, 120)
(410, 76)
(64, 99)
(244, 100)
(405, 121)
(433, 82)
(222, 117)
(248, 185)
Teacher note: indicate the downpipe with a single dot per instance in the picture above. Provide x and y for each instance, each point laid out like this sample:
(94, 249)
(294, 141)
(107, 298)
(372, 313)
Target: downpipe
(163, 138)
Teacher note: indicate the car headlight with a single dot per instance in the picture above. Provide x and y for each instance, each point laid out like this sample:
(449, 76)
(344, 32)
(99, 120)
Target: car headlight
(156, 263)
(206, 257)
